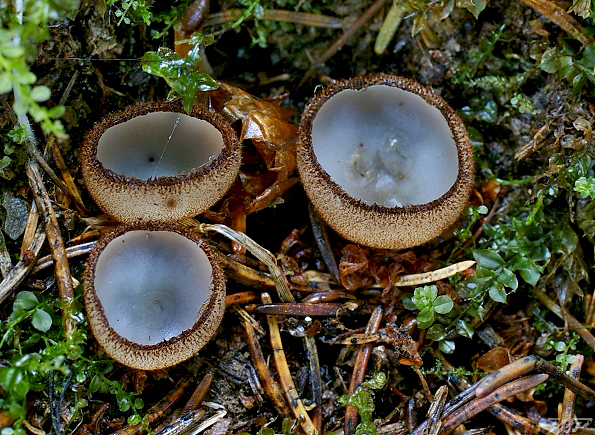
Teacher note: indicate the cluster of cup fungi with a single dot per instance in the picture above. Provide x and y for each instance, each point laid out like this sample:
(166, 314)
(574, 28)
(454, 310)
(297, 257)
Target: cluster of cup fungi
(385, 162)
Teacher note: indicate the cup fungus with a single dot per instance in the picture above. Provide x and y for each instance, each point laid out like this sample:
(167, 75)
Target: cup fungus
(153, 162)
(154, 294)
(385, 161)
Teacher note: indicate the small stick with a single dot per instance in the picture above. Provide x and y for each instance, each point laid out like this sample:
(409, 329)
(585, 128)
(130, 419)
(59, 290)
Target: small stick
(259, 252)
(436, 408)
(289, 389)
(5, 261)
(30, 229)
(276, 190)
(18, 273)
(299, 309)
(73, 251)
(424, 384)
(339, 43)
(199, 393)
(304, 18)
(241, 298)
(245, 275)
(68, 180)
(323, 243)
(359, 370)
(56, 244)
(248, 318)
(271, 388)
(315, 381)
(567, 417)
(560, 17)
(327, 296)
(572, 322)
(479, 404)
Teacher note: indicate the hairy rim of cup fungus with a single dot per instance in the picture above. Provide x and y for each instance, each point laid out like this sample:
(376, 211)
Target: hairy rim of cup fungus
(385, 161)
(154, 294)
(153, 162)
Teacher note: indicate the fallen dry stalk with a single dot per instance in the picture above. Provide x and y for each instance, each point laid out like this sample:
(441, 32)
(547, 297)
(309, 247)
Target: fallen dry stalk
(5, 261)
(271, 388)
(359, 370)
(56, 244)
(287, 384)
(73, 251)
(303, 18)
(567, 418)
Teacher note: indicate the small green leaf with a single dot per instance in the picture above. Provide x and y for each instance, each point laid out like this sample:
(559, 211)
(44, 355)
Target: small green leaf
(447, 346)
(488, 258)
(464, 329)
(443, 304)
(41, 320)
(497, 293)
(425, 318)
(408, 304)
(40, 93)
(436, 332)
(5, 82)
(25, 300)
(508, 278)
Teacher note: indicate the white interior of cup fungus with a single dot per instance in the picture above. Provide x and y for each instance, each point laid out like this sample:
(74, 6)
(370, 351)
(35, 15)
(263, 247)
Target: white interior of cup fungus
(158, 144)
(152, 284)
(386, 146)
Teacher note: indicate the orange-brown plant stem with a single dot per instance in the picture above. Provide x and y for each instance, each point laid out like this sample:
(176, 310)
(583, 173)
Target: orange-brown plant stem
(299, 309)
(359, 370)
(241, 298)
(56, 244)
(525, 365)
(271, 388)
(567, 417)
(157, 411)
(339, 43)
(562, 314)
(68, 180)
(287, 384)
(304, 18)
(199, 393)
(476, 406)
(560, 17)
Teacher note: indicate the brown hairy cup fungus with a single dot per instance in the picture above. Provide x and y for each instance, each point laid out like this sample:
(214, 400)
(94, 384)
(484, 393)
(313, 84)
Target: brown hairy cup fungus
(154, 294)
(385, 161)
(153, 162)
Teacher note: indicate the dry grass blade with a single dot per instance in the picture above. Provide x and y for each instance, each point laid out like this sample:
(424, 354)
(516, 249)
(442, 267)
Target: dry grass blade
(436, 408)
(259, 252)
(322, 241)
(572, 322)
(73, 251)
(502, 393)
(289, 389)
(199, 393)
(56, 244)
(5, 261)
(271, 387)
(22, 268)
(68, 180)
(245, 275)
(359, 370)
(567, 417)
(303, 18)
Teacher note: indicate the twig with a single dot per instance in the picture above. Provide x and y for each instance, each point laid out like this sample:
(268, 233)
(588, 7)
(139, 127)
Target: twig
(68, 180)
(271, 388)
(56, 244)
(299, 309)
(359, 370)
(199, 393)
(289, 389)
(22, 268)
(315, 381)
(259, 252)
(567, 417)
(562, 314)
(304, 18)
(5, 261)
(476, 406)
(339, 43)
(560, 17)
(323, 243)
(436, 408)
(73, 251)
(30, 230)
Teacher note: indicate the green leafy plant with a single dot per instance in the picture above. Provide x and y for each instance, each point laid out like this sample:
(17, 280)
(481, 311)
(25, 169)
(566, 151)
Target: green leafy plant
(426, 300)
(128, 11)
(23, 28)
(363, 400)
(181, 74)
(585, 187)
(578, 69)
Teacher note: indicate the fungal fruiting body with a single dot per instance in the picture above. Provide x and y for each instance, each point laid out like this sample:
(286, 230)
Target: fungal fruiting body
(385, 161)
(154, 294)
(153, 162)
